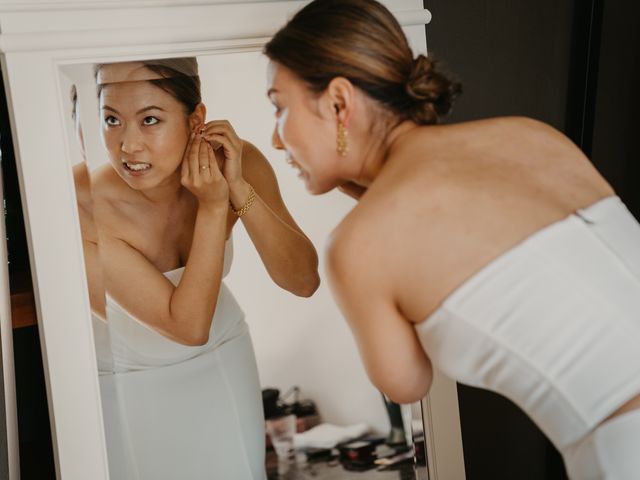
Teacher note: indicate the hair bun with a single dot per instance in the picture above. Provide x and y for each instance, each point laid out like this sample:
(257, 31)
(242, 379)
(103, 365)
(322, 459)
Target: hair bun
(432, 93)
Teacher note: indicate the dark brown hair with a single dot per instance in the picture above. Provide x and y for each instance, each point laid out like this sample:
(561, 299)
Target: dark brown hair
(363, 42)
(180, 79)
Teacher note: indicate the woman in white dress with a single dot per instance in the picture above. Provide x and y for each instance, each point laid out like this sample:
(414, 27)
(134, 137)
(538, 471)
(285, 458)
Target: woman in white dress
(492, 249)
(181, 397)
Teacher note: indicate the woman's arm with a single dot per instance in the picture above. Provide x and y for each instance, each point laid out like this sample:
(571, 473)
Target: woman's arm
(288, 255)
(359, 274)
(183, 313)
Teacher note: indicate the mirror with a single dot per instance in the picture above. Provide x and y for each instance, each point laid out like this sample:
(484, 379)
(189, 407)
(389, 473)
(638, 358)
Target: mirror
(183, 411)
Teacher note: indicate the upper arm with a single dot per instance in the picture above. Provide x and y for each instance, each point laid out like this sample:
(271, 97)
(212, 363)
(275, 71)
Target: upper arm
(136, 284)
(128, 276)
(388, 344)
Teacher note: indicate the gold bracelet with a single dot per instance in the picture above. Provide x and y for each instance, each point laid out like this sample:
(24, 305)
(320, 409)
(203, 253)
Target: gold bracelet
(247, 205)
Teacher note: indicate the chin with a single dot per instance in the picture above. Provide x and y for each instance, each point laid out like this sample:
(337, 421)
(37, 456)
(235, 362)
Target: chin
(319, 188)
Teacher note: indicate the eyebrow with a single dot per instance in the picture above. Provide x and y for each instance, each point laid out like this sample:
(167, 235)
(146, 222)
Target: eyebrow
(142, 110)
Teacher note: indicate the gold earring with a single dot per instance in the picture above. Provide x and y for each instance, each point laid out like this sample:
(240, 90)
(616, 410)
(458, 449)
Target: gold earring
(341, 140)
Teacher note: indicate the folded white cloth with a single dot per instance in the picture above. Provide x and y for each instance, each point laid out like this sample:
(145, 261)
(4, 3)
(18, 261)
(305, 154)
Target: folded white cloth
(326, 435)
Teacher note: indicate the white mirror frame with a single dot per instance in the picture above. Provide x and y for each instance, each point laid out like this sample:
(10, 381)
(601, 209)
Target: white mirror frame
(36, 39)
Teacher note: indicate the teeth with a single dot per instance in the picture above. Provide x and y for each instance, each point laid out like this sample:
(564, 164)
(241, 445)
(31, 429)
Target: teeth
(136, 167)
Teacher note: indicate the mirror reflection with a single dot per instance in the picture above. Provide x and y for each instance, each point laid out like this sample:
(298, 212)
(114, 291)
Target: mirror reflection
(192, 352)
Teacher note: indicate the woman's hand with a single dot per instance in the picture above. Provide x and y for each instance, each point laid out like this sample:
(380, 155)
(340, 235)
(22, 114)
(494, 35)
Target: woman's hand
(201, 174)
(228, 149)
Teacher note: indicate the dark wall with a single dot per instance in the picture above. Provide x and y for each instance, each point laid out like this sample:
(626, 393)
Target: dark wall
(511, 55)
(616, 125)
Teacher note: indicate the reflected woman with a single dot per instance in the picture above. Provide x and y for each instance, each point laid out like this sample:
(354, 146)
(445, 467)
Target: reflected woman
(184, 398)
(491, 249)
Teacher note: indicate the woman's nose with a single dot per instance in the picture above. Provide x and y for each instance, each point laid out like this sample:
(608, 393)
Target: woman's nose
(131, 141)
(275, 139)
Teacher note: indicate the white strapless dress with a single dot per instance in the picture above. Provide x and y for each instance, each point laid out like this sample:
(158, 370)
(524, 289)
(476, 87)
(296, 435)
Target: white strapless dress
(175, 412)
(554, 325)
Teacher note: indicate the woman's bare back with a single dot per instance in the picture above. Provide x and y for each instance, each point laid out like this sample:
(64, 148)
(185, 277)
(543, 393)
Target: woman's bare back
(468, 193)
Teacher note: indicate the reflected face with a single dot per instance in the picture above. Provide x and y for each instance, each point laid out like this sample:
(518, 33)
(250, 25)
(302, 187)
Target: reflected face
(303, 130)
(144, 129)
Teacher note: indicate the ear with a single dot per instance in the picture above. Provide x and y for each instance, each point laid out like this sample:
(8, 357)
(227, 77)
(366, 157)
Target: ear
(342, 95)
(197, 117)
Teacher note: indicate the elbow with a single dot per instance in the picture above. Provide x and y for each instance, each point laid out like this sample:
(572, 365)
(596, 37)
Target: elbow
(190, 335)
(308, 287)
(310, 281)
(405, 396)
(186, 326)
(302, 281)
(194, 339)
(406, 390)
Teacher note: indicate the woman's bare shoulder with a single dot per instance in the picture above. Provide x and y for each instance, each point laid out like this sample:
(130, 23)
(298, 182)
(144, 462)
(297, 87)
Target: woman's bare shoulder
(521, 129)
(252, 157)
(513, 125)
(372, 225)
(249, 148)
(514, 122)
(106, 185)
(112, 198)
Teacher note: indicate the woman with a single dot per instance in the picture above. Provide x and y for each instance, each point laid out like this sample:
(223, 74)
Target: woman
(183, 400)
(491, 249)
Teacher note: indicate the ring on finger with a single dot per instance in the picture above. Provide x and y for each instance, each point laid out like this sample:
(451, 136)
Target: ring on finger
(204, 167)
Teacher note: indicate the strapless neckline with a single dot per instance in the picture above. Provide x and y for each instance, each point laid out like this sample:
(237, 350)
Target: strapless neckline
(548, 319)
(583, 214)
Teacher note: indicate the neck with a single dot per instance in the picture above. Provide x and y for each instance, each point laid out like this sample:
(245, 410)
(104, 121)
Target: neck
(167, 193)
(379, 151)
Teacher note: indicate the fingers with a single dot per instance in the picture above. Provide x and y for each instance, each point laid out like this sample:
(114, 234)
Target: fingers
(214, 168)
(217, 129)
(200, 172)
(186, 159)
(194, 159)
(219, 126)
(230, 150)
(203, 158)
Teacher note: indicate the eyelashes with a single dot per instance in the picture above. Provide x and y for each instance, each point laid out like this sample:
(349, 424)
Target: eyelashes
(112, 121)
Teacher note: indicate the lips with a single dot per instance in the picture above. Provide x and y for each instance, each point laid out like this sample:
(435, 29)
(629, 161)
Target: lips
(293, 164)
